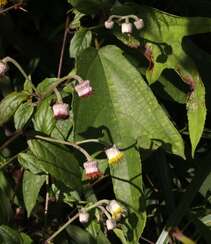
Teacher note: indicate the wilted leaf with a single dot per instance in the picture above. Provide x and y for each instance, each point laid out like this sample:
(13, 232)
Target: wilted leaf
(31, 187)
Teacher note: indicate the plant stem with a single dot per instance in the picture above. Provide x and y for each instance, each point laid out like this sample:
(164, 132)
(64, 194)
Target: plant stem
(59, 81)
(105, 212)
(17, 65)
(11, 139)
(9, 8)
(87, 141)
(83, 151)
(8, 161)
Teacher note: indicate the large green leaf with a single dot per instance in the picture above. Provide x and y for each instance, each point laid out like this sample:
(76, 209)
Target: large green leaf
(164, 34)
(124, 106)
(80, 41)
(58, 160)
(23, 114)
(10, 104)
(31, 187)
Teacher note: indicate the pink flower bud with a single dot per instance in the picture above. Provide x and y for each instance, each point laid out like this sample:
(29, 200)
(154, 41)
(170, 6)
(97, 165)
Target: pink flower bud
(110, 224)
(83, 216)
(91, 169)
(83, 89)
(113, 154)
(127, 28)
(61, 110)
(109, 24)
(3, 68)
(139, 24)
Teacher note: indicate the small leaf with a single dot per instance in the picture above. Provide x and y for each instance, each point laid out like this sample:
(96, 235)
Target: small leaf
(75, 23)
(42, 86)
(44, 120)
(31, 187)
(26, 239)
(80, 41)
(10, 104)
(23, 114)
(28, 86)
(58, 160)
(79, 235)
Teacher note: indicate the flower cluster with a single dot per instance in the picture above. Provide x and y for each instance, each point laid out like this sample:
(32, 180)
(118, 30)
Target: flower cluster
(126, 26)
(113, 211)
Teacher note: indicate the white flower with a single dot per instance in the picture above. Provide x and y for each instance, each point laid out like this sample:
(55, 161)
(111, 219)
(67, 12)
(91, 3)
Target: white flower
(116, 210)
(139, 24)
(83, 216)
(113, 154)
(110, 224)
(127, 28)
(61, 110)
(84, 88)
(3, 68)
(91, 169)
(109, 24)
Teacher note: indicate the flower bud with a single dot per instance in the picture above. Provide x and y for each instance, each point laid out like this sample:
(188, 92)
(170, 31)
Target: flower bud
(110, 224)
(83, 89)
(91, 169)
(113, 154)
(139, 24)
(127, 28)
(109, 24)
(61, 110)
(3, 68)
(83, 216)
(115, 209)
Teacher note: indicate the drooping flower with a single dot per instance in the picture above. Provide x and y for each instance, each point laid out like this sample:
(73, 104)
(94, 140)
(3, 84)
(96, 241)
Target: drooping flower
(84, 88)
(127, 28)
(116, 210)
(61, 110)
(91, 169)
(109, 24)
(3, 68)
(110, 224)
(83, 216)
(113, 154)
(139, 24)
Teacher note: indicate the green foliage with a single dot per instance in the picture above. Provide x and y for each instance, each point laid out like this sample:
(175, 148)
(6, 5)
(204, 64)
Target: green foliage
(146, 99)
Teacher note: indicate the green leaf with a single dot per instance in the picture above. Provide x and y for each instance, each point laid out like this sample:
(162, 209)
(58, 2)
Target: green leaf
(30, 162)
(26, 238)
(80, 41)
(124, 106)
(9, 235)
(119, 89)
(90, 6)
(44, 120)
(164, 34)
(58, 160)
(28, 86)
(79, 235)
(31, 187)
(10, 104)
(75, 23)
(23, 114)
(5, 206)
(42, 86)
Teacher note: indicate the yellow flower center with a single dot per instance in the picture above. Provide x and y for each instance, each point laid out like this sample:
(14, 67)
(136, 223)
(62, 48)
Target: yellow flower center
(115, 159)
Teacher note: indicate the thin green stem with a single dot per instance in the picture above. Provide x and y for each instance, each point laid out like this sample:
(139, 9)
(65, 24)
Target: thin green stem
(8, 161)
(87, 141)
(17, 65)
(105, 212)
(61, 80)
(83, 151)
(58, 95)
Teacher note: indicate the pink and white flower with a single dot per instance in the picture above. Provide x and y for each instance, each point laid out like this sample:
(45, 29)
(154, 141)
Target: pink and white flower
(91, 169)
(61, 110)
(84, 88)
